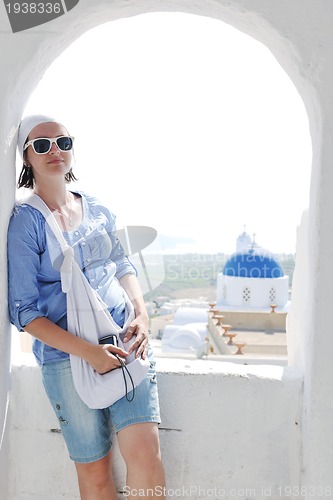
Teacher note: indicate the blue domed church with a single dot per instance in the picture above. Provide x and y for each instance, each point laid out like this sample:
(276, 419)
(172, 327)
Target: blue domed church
(252, 278)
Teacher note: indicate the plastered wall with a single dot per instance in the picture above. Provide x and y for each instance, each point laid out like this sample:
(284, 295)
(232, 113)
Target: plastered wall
(226, 427)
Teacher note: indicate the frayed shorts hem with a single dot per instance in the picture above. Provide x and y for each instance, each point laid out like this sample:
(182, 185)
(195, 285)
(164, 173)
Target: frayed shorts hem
(137, 420)
(84, 460)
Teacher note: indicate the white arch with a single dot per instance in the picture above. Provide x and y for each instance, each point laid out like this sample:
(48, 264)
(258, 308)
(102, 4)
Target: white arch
(296, 33)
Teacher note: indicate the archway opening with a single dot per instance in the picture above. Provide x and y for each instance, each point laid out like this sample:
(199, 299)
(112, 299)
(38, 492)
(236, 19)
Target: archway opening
(199, 114)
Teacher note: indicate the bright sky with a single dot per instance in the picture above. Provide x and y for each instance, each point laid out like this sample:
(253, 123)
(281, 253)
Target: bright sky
(187, 125)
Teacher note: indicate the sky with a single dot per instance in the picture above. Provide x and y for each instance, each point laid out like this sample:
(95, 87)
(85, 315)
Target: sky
(187, 125)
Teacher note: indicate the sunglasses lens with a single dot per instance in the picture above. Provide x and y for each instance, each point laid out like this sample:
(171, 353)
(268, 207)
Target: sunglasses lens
(65, 143)
(42, 146)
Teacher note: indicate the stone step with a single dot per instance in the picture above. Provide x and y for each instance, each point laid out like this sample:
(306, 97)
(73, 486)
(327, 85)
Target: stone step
(259, 342)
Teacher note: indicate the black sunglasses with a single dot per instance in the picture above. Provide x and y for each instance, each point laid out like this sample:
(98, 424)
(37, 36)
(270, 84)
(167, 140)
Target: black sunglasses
(43, 145)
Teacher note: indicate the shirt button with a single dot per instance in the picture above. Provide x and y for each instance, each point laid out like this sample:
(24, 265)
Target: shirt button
(76, 233)
(83, 243)
(17, 304)
(88, 259)
(92, 280)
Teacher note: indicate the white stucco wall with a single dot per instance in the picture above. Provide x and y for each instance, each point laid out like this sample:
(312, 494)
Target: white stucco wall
(224, 426)
(299, 34)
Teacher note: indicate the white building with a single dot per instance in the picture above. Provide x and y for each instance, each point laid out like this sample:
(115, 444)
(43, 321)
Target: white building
(244, 241)
(252, 279)
(187, 333)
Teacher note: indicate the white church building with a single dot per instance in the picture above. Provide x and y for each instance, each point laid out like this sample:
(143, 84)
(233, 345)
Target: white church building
(251, 279)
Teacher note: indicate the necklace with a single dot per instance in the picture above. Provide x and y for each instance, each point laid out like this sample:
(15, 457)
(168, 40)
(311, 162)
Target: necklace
(68, 216)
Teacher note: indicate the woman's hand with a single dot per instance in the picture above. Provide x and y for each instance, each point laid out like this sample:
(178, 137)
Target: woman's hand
(102, 359)
(138, 327)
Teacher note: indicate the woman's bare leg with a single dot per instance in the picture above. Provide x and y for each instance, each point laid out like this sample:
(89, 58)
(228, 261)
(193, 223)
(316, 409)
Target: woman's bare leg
(140, 448)
(95, 479)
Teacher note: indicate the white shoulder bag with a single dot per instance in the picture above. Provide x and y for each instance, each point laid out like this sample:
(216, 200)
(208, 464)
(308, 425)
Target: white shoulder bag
(89, 318)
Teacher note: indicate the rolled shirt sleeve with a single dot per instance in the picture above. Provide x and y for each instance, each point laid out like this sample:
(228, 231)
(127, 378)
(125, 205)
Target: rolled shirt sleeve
(124, 266)
(118, 256)
(24, 250)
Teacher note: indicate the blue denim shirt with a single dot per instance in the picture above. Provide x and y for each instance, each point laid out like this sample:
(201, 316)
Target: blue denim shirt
(34, 260)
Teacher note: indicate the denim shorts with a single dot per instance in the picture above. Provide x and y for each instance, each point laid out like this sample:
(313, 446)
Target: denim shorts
(87, 432)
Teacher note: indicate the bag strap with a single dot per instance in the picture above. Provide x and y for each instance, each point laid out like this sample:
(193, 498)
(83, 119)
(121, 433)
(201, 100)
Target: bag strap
(35, 201)
(66, 268)
(125, 369)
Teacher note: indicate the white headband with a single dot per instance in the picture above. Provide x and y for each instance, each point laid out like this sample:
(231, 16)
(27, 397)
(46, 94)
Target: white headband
(26, 126)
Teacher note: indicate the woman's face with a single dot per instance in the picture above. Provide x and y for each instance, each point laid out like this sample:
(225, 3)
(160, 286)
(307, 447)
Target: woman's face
(53, 163)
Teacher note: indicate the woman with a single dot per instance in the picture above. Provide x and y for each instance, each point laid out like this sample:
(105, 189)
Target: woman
(38, 306)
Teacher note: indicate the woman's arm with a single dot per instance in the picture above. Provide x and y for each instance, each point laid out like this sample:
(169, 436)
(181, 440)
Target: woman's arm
(126, 274)
(98, 356)
(140, 325)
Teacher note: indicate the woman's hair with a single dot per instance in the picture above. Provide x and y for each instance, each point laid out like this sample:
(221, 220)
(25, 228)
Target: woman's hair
(27, 180)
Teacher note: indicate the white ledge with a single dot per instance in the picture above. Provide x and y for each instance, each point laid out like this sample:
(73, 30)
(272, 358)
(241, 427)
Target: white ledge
(225, 368)
(261, 367)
